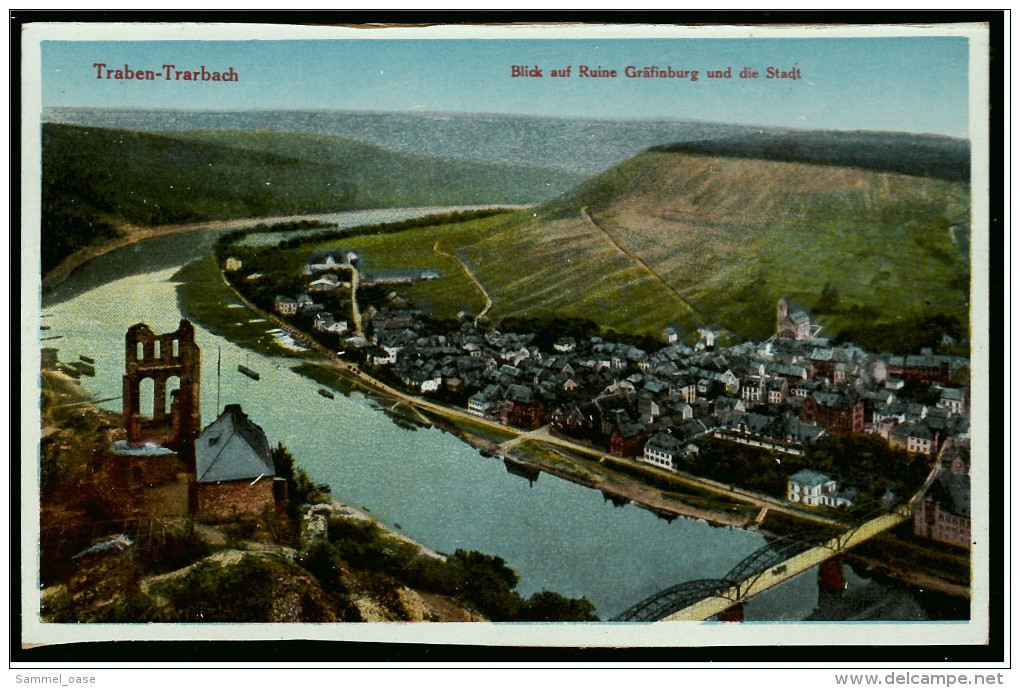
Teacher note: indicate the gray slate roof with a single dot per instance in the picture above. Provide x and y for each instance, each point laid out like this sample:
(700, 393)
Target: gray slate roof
(665, 442)
(519, 394)
(232, 448)
(952, 493)
(809, 478)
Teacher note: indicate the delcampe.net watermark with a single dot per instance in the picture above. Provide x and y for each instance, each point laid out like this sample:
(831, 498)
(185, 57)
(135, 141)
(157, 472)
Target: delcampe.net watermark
(907, 678)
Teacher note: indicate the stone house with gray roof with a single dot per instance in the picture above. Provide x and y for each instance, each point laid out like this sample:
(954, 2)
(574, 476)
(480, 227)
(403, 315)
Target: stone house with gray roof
(943, 513)
(794, 322)
(953, 399)
(522, 408)
(234, 473)
(834, 412)
(919, 438)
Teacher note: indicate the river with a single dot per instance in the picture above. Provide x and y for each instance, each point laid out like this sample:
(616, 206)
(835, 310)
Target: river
(442, 492)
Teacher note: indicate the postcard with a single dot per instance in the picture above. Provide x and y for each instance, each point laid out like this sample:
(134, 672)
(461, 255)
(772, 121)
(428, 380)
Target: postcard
(532, 335)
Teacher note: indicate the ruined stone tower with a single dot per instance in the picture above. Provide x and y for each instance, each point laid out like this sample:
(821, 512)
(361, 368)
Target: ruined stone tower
(160, 357)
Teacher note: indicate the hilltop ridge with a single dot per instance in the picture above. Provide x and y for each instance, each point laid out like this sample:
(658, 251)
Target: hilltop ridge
(97, 179)
(940, 157)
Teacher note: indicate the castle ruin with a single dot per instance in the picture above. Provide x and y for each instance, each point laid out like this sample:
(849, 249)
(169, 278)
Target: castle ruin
(162, 357)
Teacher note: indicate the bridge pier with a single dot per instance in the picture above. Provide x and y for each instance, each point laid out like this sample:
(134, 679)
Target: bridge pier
(734, 614)
(830, 574)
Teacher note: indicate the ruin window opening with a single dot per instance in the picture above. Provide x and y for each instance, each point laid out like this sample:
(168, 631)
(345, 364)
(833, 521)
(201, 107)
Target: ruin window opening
(173, 385)
(146, 397)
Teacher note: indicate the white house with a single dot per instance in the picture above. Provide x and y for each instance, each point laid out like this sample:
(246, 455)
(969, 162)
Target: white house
(326, 282)
(921, 438)
(385, 355)
(321, 261)
(807, 486)
(777, 389)
(480, 405)
(285, 305)
(663, 449)
(565, 345)
(753, 390)
(730, 382)
(325, 322)
(706, 338)
(951, 399)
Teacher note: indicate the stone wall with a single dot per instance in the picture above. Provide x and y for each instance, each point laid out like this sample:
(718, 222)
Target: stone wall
(233, 500)
(132, 472)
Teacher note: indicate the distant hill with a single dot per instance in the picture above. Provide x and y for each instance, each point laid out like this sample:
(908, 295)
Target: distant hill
(585, 146)
(940, 157)
(715, 235)
(96, 178)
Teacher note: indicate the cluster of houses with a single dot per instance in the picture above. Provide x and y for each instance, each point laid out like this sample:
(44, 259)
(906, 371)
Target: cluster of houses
(303, 304)
(324, 269)
(323, 266)
(781, 394)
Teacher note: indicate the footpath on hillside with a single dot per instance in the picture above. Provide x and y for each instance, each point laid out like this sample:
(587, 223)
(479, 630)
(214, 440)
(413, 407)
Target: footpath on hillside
(702, 316)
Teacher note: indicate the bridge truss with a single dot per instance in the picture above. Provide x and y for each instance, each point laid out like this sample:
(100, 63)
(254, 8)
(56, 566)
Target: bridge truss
(731, 586)
(740, 583)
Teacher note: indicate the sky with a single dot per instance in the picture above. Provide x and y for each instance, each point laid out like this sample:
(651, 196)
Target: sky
(914, 84)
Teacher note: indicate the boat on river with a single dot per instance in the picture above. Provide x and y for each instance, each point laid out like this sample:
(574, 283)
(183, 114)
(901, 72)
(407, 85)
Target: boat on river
(326, 393)
(248, 371)
(70, 371)
(83, 368)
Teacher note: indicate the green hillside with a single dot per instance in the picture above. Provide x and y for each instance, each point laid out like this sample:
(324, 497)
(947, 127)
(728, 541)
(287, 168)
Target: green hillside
(872, 253)
(695, 239)
(95, 179)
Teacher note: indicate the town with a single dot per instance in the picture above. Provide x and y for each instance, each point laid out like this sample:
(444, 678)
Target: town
(783, 402)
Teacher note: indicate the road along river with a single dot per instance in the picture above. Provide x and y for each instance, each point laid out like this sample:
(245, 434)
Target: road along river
(428, 483)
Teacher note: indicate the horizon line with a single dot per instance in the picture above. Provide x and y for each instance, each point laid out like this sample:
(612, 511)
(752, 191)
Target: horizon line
(475, 114)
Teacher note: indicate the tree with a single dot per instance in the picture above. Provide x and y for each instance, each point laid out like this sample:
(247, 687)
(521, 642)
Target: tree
(828, 301)
(299, 484)
(552, 606)
(488, 582)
